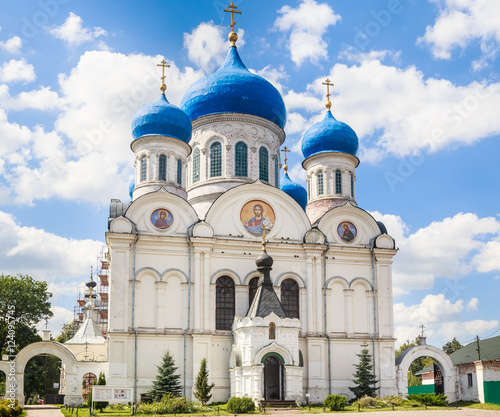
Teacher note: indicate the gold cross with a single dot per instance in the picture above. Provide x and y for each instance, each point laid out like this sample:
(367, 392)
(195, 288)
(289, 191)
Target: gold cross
(328, 84)
(232, 10)
(285, 150)
(264, 228)
(163, 64)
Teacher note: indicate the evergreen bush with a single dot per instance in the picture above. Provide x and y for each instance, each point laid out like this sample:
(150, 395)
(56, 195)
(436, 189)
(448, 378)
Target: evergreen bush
(428, 399)
(167, 405)
(202, 389)
(241, 405)
(167, 381)
(366, 402)
(335, 402)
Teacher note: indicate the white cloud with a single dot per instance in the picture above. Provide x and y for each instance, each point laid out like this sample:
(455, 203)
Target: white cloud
(296, 123)
(42, 99)
(207, 45)
(461, 23)
(445, 249)
(17, 70)
(12, 136)
(416, 115)
(472, 304)
(73, 33)
(273, 75)
(87, 157)
(488, 259)
(12, 45)
(61, 316)
(35, 252)
(297, 174)
(305, 101)
(307, 25)
(441, 317)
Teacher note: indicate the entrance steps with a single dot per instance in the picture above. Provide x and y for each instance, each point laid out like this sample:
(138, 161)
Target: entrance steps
(279, 404)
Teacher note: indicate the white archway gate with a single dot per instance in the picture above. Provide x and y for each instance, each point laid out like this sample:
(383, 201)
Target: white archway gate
(444, 362)
(73, 394)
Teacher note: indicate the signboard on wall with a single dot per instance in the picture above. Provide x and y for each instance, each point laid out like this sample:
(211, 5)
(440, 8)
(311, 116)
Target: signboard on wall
(111, 394)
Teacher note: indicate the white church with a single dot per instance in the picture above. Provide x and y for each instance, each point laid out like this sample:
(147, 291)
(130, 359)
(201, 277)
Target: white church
(189, 274)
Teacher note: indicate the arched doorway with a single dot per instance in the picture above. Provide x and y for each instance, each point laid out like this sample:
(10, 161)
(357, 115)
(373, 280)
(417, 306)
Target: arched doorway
(273, 378)
(444, 364)
(42, 377)
(73, 391)
(88, 380)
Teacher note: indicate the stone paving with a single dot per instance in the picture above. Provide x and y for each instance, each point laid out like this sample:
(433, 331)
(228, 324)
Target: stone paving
(43, 411)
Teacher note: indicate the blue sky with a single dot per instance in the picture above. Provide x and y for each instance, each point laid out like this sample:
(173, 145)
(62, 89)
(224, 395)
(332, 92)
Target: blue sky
(417, 81)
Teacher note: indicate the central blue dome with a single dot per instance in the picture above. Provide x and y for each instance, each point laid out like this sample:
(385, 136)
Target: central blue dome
(329, 135)
(161, 118)
(294, 190)
(234, 89)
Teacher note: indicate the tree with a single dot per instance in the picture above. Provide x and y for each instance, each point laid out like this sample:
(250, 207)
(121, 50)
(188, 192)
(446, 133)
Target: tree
(67, 332)
(452, 346)
(364, 379)
(101, 405)
(202, 389)
(24, 301)
(166, 382)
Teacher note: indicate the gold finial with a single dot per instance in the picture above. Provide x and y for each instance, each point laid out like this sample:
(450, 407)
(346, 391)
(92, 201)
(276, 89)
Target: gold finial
(163, 64)
(328, 84)
(285, 150)
(264, 243)
(233, 37)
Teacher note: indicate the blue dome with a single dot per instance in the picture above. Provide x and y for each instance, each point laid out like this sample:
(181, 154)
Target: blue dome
(161, 118)
(294, 190)
(234, 89)
(131, 187)
(329, 135)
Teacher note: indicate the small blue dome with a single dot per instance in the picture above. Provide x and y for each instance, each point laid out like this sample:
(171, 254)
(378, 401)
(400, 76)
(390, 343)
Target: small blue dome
(294, 190)
(234, 89)
(131, 187)
(329, 135)
(161, 118)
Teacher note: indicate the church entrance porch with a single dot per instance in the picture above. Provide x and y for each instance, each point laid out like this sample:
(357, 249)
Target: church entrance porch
(273, 379)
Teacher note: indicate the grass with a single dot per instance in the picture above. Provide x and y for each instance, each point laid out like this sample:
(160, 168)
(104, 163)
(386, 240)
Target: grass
(220, 409)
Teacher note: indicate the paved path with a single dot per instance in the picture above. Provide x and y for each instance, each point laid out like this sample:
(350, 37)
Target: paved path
(460, 412)
(43, 411)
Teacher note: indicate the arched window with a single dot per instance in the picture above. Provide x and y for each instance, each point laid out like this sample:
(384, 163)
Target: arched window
(88, 380)
(144, 168)
(272, 330)
(196, 165)
(352, 185)
(215, 160)
(320, 183)
(162, 168)
(252, 289)
(276, 172)
(224, 303)
(179, 171)
(263, 164)
(290, 298)
(338, 182)
(241, 159)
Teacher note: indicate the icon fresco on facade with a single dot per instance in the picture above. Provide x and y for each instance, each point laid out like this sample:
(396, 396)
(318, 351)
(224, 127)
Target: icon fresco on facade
(162, 219)
(255, 214)
(347, 231)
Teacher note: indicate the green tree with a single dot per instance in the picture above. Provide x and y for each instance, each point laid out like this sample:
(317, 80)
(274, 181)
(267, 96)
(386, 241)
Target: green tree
(101, 405)
(167, 381)
(452, 346)
(67, 332)
(363, 377)
(25, 301)
(202, 389)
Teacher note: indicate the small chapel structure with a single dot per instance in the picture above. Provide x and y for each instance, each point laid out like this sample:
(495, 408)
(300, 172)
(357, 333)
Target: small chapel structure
(183, 252)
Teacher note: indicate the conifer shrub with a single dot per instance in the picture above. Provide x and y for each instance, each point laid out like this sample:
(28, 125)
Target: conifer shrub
(368, 402)
(428, 399)
(169, 404)
(335, 402)
(241, 405)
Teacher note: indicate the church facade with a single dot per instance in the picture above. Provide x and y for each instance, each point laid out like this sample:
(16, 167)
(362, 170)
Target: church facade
(183, 251)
